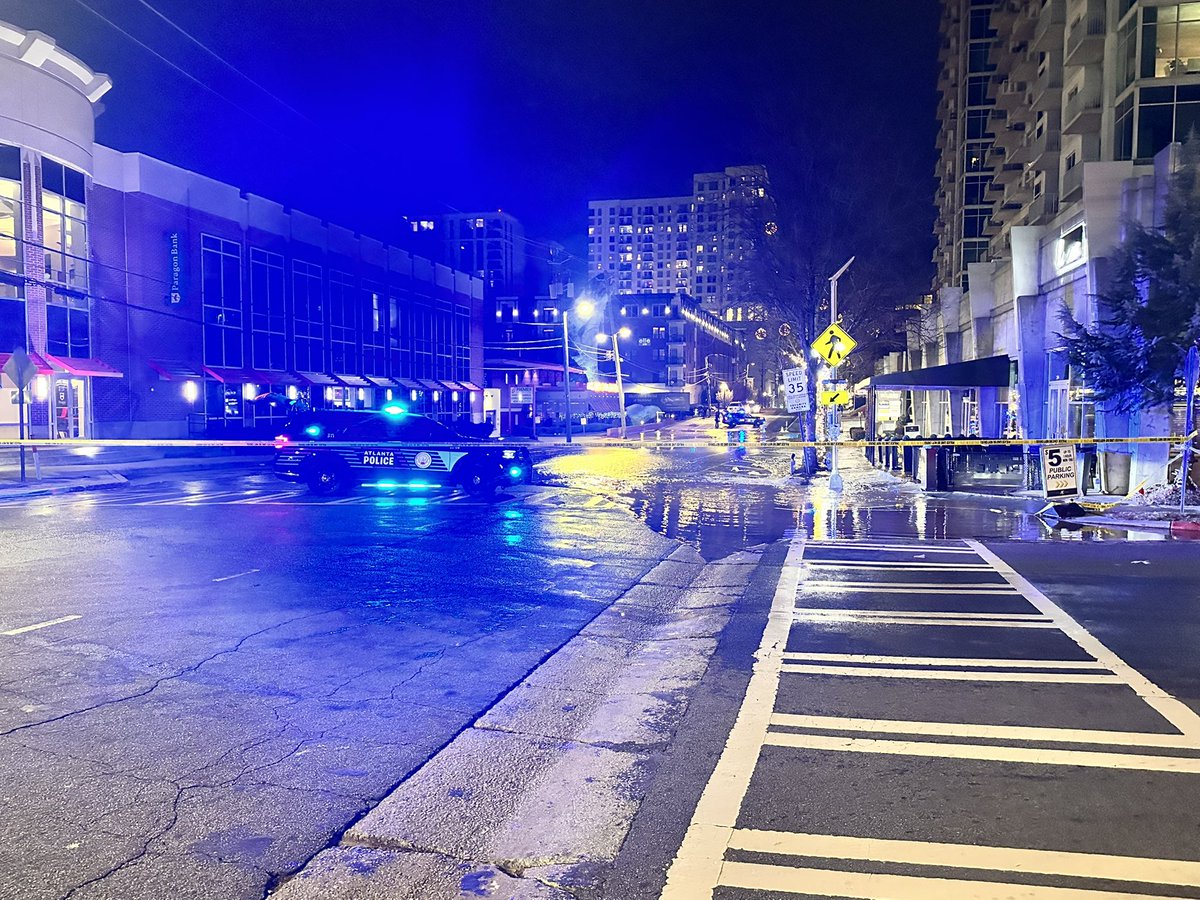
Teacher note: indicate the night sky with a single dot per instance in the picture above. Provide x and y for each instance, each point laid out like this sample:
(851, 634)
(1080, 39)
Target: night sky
(533, 106)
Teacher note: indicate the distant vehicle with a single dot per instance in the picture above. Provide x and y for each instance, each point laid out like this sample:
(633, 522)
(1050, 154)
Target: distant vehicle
(911, 431)
(392, 449)
(738, 415)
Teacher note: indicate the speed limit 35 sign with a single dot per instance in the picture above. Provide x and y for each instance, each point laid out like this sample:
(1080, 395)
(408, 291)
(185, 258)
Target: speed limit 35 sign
(1060, 477)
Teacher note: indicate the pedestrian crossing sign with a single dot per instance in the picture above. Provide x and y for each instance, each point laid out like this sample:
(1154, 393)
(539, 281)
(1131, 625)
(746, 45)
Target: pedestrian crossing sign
(833, 344)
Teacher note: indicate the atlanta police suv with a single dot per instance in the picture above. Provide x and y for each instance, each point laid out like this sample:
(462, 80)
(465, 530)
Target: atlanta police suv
(333, 451)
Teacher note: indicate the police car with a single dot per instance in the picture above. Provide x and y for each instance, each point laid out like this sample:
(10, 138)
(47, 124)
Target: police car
(333, 451)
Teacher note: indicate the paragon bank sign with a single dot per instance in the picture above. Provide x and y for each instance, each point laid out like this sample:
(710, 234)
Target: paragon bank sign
(176, 269)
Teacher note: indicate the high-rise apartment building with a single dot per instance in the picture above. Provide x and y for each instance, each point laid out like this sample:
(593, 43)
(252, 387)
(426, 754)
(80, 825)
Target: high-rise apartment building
(698, 243)
(1059, 123)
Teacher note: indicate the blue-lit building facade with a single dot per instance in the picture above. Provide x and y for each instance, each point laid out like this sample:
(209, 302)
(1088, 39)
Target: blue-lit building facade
(157, 302)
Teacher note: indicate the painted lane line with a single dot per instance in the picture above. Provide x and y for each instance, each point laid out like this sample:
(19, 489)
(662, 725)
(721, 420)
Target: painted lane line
(696, 869)
(896, 587)
(1177, 713)
(918, 614)
(950, 675)
(995, 732)
(904, 565)
(1068, 864)
(26, 628)
(874, 886)
(863, 546)
(951, 661)
(236, 575)
(992, 753)
(265, 498)
(881, 620)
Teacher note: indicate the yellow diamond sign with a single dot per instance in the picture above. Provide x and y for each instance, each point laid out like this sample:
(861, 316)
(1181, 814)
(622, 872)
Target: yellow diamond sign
(835, 398)
(834, 345)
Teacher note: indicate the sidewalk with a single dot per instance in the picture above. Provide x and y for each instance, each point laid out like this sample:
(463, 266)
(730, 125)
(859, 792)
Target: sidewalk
(67, 471)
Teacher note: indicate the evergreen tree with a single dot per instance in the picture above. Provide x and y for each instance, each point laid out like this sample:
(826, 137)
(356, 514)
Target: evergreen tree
(1150, 314)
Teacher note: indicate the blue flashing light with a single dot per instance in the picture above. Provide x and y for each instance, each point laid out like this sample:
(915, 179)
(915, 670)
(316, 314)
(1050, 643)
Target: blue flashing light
(741, 437)
(419, 484)
(314, 430)
(516, 471)
(394, 409)
(386, 484)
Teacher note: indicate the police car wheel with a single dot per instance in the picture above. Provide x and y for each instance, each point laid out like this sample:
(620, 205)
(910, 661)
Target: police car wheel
(327, 478)
(476, 482)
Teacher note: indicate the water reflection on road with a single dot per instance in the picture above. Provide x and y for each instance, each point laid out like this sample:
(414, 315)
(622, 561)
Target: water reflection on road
(720, 501)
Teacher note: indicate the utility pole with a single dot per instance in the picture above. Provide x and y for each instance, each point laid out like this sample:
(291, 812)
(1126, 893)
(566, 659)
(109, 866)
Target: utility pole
(835, 411)
(619, 333)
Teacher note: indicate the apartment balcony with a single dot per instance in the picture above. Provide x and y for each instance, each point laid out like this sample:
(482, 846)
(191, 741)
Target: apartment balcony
(1011, 137)
(1025, 23)
(1048, 87)
(1085, 36)
(1005, 15)
(1006, 175)
(1043, 151)
(1016, 195)
(1024, 66)
(1072, 184)
(1051, 26)
(1083, 111)
(1043, 209)
(1011, 95)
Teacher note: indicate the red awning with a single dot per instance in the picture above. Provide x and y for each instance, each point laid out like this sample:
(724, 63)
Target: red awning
(352, 380)
(43, 367)
(382, 381)
(230, 376)
(174, 371)
(258, 376)
(410, 384)
(316, 378)
(430, 385)
(83, 368)
(453, 385)
(471, 386)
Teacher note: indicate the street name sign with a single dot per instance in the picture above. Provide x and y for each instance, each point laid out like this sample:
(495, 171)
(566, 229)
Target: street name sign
(20, 369)
(838, 397)
(1059, 475)
(833, 344)
(795, 383)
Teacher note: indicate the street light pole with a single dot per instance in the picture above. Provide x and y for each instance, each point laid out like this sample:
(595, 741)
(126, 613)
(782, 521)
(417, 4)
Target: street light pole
(567, 374)
(835, 414)
(620, 384)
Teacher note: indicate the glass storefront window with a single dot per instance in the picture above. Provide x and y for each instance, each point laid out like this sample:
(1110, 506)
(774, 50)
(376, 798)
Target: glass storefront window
(1170, 40)
(64, 237)
(10, 219)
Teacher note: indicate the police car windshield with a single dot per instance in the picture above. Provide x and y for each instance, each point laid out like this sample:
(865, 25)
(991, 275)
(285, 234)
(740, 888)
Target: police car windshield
(350, 425)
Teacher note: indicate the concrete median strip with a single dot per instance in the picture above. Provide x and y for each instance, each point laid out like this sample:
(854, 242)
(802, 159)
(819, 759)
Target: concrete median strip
(541, 790)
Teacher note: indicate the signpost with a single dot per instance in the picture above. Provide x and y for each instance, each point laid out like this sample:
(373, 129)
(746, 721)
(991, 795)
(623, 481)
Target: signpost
(1060, 476)
(833, 345)
(20, 370)
(795, 382)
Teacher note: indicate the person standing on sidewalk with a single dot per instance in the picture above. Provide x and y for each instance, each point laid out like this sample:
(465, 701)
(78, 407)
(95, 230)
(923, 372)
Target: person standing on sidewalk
(716, 417)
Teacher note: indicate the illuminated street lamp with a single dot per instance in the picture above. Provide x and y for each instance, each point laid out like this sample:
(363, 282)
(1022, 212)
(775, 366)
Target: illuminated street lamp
(622, 332)
(584, 309)
(835, 411)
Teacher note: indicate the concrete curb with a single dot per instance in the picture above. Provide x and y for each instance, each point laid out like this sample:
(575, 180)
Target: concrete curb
(550, 776)
(95, 483)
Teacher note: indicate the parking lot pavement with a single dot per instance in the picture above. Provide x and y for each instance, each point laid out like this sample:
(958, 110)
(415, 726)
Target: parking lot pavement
(923, 722)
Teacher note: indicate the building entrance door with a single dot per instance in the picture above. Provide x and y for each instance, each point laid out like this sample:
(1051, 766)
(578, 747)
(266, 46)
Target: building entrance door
(70, 408)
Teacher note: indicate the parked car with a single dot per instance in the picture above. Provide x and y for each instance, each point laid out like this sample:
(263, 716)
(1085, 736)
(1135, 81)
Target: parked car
(333, 451)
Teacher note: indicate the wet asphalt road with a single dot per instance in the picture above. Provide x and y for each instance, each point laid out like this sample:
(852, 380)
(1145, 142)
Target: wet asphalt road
(252, 668)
